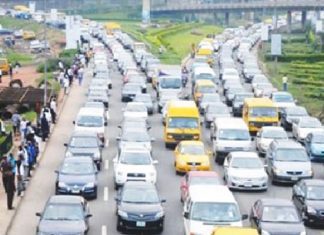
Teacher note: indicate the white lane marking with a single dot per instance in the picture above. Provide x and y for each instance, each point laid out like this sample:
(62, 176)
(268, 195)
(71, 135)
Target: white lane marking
(106, 194)
(103, 230)
(107, 143)
(106, 164)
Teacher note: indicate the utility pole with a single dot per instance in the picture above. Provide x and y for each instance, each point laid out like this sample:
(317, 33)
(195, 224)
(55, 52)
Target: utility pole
(45, 55)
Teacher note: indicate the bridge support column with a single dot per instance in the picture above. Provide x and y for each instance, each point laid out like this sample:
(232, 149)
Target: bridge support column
(289, 21)
(303, 18)
(227, 18)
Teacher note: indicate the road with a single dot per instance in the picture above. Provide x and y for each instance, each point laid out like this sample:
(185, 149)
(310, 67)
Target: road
(103, 208)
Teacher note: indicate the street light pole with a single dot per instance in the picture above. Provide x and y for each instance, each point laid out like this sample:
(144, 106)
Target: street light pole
(45, 56)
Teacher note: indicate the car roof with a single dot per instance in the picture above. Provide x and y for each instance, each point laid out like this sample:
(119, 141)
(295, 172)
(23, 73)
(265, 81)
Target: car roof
(135, 184)
(256, 102)
(78, 159)
(63, 199)
(269, 128)
(191, 142)
(204, 82)
(287, 144)
(241, 154)
(276, 202)
(314, 182)
(211, 193)
(83, 133)
(230, 122)
(202, 173)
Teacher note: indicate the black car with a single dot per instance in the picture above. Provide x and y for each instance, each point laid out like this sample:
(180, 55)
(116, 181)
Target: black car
(292, 115)
(273, 215)
(77, 176)
(139, 207)
(238, 102)
(308, 197)
(129, 91)
(64, 215)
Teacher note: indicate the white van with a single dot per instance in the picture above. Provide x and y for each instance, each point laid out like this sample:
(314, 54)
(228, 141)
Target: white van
(228, 135)
(203, 73)
(172, 83)
(208, 206)
(92, 120)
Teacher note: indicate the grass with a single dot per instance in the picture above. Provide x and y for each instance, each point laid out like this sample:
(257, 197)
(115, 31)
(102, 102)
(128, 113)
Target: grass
(22, 58)
(30, 116)
(53, 84)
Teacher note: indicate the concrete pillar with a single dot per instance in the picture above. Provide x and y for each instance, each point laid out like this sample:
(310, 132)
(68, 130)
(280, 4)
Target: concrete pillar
(215, 17)
(146, 11)
(303, 18)
(227, 18)
(289, 21)
(318, 15)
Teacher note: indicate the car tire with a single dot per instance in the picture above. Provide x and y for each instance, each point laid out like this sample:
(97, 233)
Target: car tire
(110, 86)
(118, 227)
(98, 166)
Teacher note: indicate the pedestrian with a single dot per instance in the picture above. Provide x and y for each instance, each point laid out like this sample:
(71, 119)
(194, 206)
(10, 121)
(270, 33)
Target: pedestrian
(80, 75)
(285, 82)
(44, 127)
(66, 85)
(70, 75)
(53, 109)
(61, 78)
(61, 65)
(10, 71)
(20, 173)
(17, 66)
(8, 180)
(24, 150)
(12, 162)
(46, 111)
(0, 76)
(23, 126)
(16, 122)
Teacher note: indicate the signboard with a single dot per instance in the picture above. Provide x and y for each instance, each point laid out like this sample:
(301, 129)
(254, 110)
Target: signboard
(72, 32)
(53, 14)
(264, 33)
(32, 7)
(319, 26)
(276, 44)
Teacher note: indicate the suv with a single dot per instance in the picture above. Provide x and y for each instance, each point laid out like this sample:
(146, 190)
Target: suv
(287, 161)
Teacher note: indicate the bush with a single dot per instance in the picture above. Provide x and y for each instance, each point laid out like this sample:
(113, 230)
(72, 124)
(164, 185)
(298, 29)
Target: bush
(52, 64)
(70, 53)
(311, 58)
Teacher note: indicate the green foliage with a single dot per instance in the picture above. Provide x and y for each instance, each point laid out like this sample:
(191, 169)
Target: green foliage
(20, 57)
(291, 57)
(69, 53)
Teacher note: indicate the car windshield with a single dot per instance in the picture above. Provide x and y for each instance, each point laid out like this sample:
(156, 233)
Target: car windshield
(246, 163)
(183, 123)
(134, 124)
(234, 134)
(297, 111)
(83, 142)
(215, 212)
(135, 158)
(217, 109)
(77, 168)
(263, 112)
(318, 139)
(193, 149)
(140, 195)
(63, 212)
(204, 180)
(135, 136)
(274, 134)
(132, 87)
(170, 83)
(210, 98)
(90, 121)
(204, 76)
(283, 98)
(143, 98)
(310, 123)
(291, 155)
(135, 108)
(315, 193)
(206, 89)
(280, 214)
(240, 98)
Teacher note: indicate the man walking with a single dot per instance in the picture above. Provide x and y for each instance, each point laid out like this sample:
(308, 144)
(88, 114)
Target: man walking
(80, 75)
(16, 123)
(285, 83)
(10, 71)
(53, 109)
(44, 127)
(8, 180)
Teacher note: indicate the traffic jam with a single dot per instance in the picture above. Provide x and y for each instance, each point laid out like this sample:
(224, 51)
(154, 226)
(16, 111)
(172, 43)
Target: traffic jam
(225, 135)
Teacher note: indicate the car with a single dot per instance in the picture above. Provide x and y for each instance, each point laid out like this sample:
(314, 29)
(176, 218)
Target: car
(283, 100)
(64, 215)
(308, 197)
(213, 111)
(304, 126)
(287, 162)
(98, 96)
(197, 178)
(266, 135)
(133, 122)
(314, 145)
(135, 109)
(140, 79)
(238, 102)
(134, 164)
(129, 91)
(134, 137)
(263, 89)
(274, 215)
(77, 176)
(147, 100)
(244, 170)
(166, 96)
(231, 92)
(191, 155)
(139, 208)
(292, 115)
(85, 144)
(208, 99)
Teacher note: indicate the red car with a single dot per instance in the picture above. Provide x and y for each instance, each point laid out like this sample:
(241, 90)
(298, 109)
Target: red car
(197, 178)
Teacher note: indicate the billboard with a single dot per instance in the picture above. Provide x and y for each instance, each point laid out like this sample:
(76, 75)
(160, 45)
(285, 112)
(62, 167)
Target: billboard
(276, 44)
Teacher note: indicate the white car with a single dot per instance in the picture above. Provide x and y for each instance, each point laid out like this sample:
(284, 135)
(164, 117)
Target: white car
(304, 126)
(135, 109)
(245, 170)
(134, 164)
(282, 100)
(266, 135)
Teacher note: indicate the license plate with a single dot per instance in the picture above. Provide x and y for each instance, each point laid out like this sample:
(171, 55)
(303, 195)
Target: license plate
(294, 178)
(140, 224)
(248, 185)
(75, 190)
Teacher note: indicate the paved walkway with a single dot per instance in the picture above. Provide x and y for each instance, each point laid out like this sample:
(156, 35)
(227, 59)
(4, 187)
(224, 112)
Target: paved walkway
(51, 155)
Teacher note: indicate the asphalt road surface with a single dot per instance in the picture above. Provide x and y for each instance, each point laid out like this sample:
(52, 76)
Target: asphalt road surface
(103, 208)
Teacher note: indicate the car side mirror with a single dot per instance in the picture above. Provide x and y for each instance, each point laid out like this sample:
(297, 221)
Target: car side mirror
(106, 123)
(38, 214)
(65, 144)
(258, 135)
(119, 126)
(186, 215)
(245, 216)
(163, 200)
(152, 139)
(155, 162)
(88, 215)
(56, 171)
(118, 138)
(73, 122)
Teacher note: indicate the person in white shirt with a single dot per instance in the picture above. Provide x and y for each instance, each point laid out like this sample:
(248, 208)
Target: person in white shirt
(23, 126)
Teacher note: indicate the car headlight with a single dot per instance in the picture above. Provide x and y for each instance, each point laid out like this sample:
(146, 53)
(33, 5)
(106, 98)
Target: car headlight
(159, 214)
(170, 136)
(309, 172)
(122, 213)
(152, 174)
(235, 178)
(196, 137)
(303, 233)
(119, 173)
(90, 185)
(311, 210)
(277, 171)
(264, 232)
(68, 154)
(62, 185)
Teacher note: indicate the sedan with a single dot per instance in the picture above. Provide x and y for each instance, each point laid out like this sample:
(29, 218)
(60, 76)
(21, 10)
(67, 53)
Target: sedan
(136, 110)
(266, 135)
(135, 137)
(304, 126)
(208, 99)
(314, 145)
(197, 178)
(77, 176)
(64, 215)
(139, 208)
(231, 93)
(238, 102)
(308, 197)
(191, 155)
(273, 215)
(129, 91)
(214, 111)
(85, 144)
(244, 170)
(263, 90)
(292, 115)
(147, 100)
